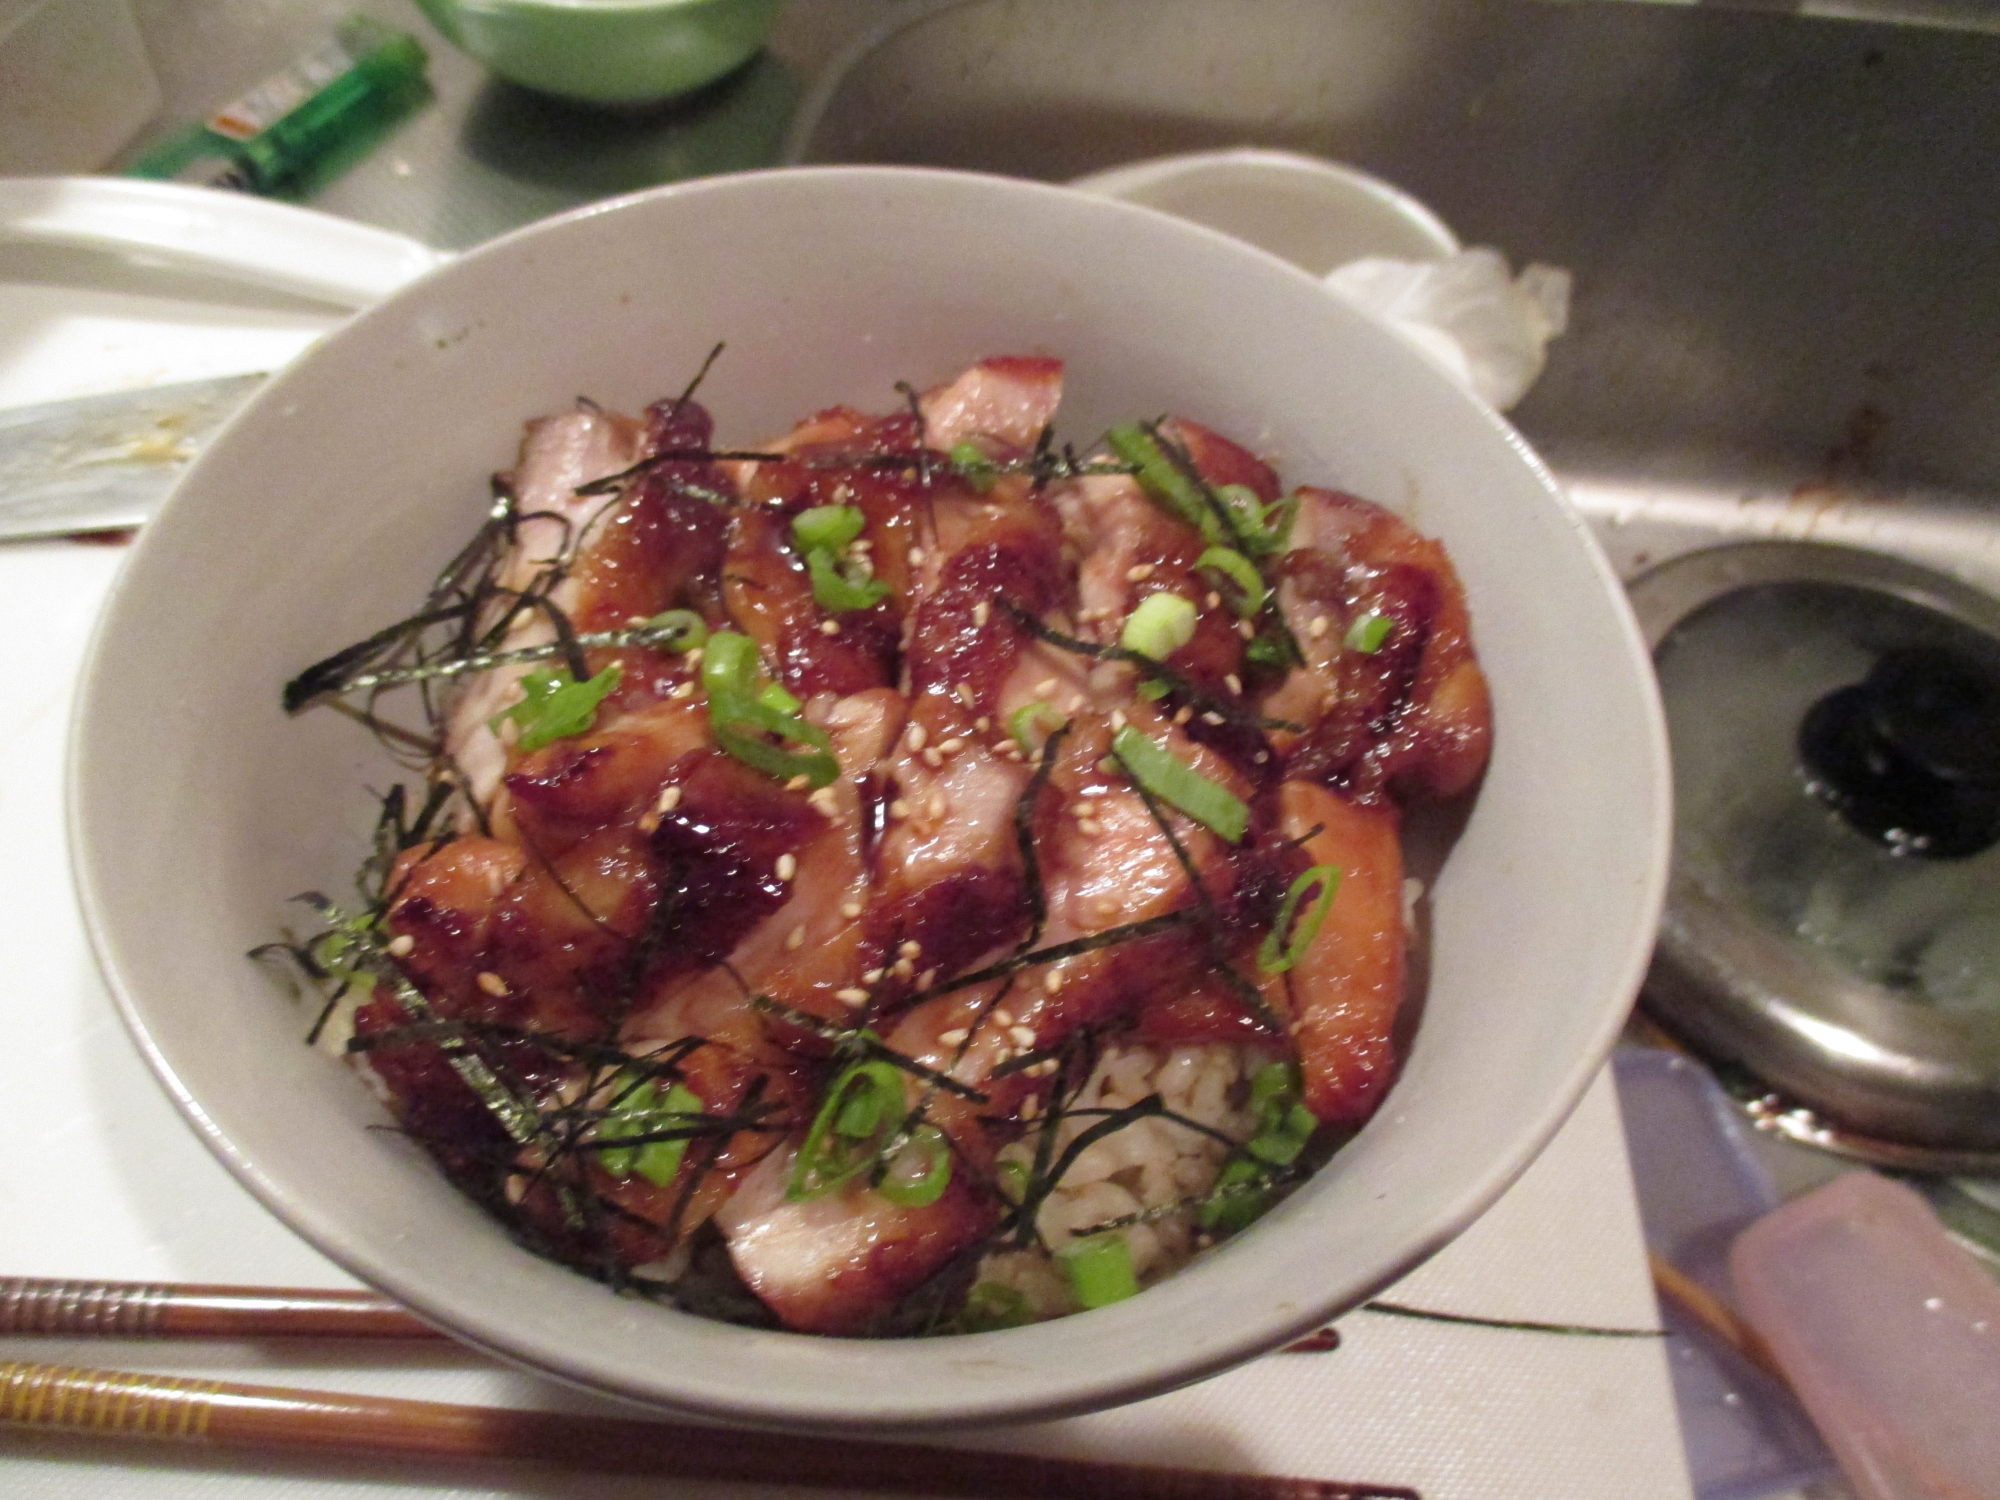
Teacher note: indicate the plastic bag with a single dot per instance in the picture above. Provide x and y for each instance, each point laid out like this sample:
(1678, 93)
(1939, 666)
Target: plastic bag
(1489, 327)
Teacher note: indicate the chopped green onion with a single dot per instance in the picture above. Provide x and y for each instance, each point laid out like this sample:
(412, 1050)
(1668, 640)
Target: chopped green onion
(1162, 480)
(1099, 1269)
(862, 1113)
(775, 696)
(645, 1108)
(1261, 530)
(1172, 780)
(1272, 648)
(973, 466)
(1160, 626)
(1239, 570)
(1239, 1197)
(918, 1174)
(1153, 689)
(841, 587)
(1023, 722)
(683, 630)
(1284, 1124)
(1368, 632)
(1279, 952)
(828, 526)
(555, 706)
(1012, 1175)
(740, 716)
(730, 666)
(992, 1305)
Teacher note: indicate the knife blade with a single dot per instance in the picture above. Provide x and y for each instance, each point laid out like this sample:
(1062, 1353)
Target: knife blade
(103, 463)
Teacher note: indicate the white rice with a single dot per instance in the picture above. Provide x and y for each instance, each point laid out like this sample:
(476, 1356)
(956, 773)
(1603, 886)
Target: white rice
(1146, 1165)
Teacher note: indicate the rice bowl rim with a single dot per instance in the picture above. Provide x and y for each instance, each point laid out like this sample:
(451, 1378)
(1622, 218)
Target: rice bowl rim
(546, 1317)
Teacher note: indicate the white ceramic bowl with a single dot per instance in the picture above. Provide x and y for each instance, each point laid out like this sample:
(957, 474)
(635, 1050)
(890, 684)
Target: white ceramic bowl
(1316, 214)
(324, 508)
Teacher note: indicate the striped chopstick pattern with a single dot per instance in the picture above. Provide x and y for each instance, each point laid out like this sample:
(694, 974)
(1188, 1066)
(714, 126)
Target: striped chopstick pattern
(118, 1309)
(219, 1414)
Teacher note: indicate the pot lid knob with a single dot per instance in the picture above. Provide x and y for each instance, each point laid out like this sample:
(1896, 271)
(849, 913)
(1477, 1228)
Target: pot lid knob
(1911, 754)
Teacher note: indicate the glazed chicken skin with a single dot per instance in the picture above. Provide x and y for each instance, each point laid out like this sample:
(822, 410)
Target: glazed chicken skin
(977, 821)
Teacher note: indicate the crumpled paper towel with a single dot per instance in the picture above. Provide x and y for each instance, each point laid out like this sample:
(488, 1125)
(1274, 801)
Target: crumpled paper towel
(1490, 327)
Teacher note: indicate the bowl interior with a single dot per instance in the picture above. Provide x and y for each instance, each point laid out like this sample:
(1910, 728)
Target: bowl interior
(198, 808)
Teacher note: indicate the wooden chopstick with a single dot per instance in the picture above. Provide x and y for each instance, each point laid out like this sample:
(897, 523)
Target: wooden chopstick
(1699, 1303)
(158, 1310)
(161, 1310)
(222, 1415)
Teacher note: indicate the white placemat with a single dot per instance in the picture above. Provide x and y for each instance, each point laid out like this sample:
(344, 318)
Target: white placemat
(99, 1177)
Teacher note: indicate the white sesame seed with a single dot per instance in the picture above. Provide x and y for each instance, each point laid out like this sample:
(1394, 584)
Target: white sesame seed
(796, 938)
(843, 492)
(492, 983)
(1261, 757)
(1213, 719)
(670, 798)
(873, 976)
(1021, 1036)
(1245, 629)
(1212, 600)
(965, 694)
(402, 946)
(1183, 714)
(851, 997)
(693, 657)
(1052, 981)
(1003, 1018)
(916, 557)
(788, 865)
(1046, 688)
(649, 822)
(1117, 719)
(926, 979)
(798, 783)
(981, 613)
(850, 909)
(909, 948)
(1139, 573)
(902, 968)
(956, 1037)
(1031, 1106)
(825, 800)
(982, 724)
(1075, 706)
(1090, 828)
(684, 691)
(1318, 627)
(899, 808)
(914, 740)
(933, 757)
(952, 745)
(516, 1188)
(1234, 684)
(935, 807)
(829, 627)
(1046, 1066)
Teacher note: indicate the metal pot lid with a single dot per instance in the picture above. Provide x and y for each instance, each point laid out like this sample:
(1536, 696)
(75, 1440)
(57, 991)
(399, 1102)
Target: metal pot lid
(1833, 918)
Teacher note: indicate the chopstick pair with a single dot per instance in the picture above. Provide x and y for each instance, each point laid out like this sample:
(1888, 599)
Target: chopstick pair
(224, 1415)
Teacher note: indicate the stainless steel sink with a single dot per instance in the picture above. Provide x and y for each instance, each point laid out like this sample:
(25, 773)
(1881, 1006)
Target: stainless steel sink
(1784, 229)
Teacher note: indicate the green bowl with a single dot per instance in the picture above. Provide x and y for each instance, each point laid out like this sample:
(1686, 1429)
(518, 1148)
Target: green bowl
(606, 51)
